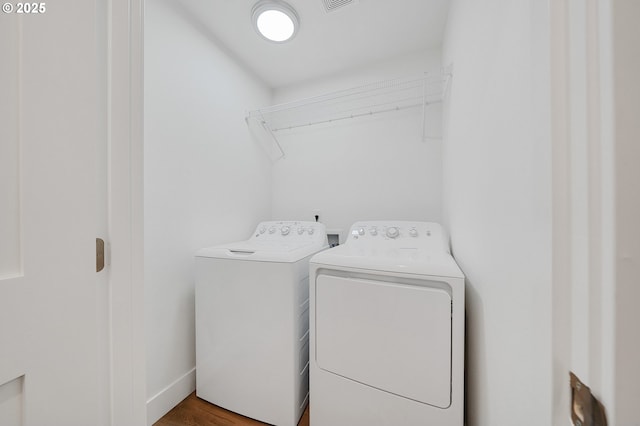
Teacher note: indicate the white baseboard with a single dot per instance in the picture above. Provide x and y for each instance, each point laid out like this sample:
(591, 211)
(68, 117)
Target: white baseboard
(162, 402)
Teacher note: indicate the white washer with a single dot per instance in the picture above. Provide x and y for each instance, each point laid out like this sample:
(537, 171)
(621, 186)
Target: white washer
(387, 329)
(252, 301)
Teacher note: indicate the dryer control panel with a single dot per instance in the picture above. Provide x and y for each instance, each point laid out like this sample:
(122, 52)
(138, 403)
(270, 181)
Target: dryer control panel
(399, 234)
(290, 231)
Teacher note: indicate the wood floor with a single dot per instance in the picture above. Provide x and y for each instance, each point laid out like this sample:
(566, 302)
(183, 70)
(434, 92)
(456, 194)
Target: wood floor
(194, 411)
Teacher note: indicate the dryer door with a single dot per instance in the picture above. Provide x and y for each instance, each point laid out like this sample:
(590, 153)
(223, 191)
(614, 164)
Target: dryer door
(392, 336)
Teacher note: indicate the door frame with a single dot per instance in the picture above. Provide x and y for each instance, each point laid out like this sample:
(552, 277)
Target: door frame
(583, 169)
(125, 193)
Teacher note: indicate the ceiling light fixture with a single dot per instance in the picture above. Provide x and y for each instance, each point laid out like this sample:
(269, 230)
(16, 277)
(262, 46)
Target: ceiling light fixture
(275, 20)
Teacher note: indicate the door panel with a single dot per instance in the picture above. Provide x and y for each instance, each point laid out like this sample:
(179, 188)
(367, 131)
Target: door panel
(393, 337)
(49, 325)
(10, 256)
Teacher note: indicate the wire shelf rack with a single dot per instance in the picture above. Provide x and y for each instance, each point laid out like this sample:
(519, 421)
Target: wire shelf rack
(352, 103)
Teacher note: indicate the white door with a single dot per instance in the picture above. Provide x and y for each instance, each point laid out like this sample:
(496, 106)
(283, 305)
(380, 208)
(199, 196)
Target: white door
(52, 125)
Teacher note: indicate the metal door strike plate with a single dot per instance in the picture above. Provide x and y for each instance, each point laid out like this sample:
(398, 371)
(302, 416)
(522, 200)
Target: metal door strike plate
(586, 410)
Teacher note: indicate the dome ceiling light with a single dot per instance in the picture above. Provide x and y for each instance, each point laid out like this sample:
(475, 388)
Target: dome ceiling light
(275, 20)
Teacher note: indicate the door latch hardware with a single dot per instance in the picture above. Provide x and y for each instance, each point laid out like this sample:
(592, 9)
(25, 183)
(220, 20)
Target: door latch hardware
(586, 410)
(99, 254)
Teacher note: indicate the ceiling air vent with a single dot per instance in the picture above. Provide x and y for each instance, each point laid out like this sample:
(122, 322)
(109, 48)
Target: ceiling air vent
(331, 5)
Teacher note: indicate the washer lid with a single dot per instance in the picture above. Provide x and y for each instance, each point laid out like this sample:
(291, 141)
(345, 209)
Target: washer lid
(261, 251)
(283, 241)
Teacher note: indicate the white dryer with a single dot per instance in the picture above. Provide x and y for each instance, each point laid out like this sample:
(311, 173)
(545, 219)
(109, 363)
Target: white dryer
(252, 321)
(387, 329)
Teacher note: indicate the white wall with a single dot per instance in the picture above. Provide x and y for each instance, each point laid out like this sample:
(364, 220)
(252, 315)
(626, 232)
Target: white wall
(627, 263)
(206, 181)
(497, 202)
(366, 168)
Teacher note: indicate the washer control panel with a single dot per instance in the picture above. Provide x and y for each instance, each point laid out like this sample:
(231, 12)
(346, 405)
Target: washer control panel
(401, 234)
(293, 231)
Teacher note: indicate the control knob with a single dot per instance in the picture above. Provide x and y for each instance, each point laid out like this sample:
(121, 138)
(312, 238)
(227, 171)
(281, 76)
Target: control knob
(361, 231)
(413, 232)
(272, 229)
(373, 231)
(300, 231)
(393, 232)
(310, 231)
(285, 230)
